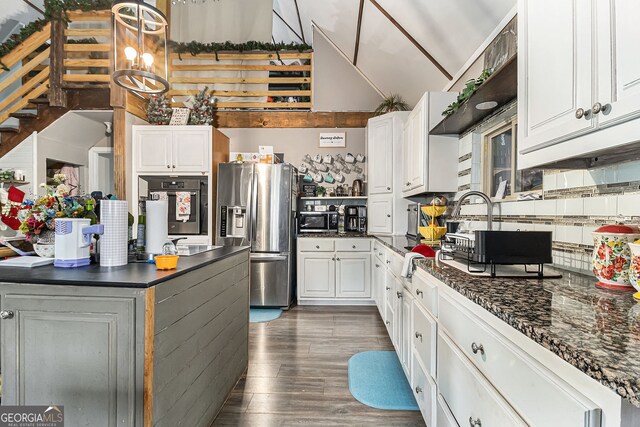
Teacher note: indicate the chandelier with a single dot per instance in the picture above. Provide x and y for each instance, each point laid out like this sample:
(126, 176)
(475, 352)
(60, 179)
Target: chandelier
(140, 33)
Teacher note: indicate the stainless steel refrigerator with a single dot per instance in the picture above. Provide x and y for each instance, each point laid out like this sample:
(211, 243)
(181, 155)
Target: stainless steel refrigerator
(256, 206)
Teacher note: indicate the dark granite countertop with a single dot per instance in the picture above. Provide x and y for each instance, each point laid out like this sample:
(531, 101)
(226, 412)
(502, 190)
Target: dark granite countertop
(132, 275)
(595, 330)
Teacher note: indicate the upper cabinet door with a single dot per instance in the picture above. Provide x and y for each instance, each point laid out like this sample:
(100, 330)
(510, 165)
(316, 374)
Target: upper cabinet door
(380, 137)
(418, 141)
(153, 151)
(191, 151)
(379, 219)
(555, 71)
(618, 60)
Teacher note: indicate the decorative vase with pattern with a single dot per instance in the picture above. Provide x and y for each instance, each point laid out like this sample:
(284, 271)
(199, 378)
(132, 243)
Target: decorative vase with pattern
(45, 245)
(612, 256)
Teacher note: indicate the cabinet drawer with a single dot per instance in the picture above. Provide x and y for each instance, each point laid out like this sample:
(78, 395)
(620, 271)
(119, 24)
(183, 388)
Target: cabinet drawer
(389, 320)
(424, 335)
(353, 245)
(394, 262)
(468, 394)
(545, 397)
(379, 252)
(425, 391)
(315, 245)
(426, 293)
(443, 414)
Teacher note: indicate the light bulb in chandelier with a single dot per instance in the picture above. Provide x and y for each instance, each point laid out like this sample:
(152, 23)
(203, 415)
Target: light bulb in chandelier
(130, 53)
(148, 59)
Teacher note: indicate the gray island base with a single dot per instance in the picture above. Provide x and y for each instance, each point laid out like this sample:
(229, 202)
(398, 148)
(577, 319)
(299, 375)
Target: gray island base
(147, 348)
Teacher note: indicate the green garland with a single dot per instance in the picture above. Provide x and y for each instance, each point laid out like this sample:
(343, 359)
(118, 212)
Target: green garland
(195, 48)
(15, 39)
(469, 89)
(53, 9)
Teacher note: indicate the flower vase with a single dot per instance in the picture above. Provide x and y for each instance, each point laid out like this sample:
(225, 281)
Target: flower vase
(45, 244)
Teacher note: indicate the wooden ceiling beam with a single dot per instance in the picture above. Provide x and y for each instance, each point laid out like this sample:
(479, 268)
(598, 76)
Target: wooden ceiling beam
(288, 26)
(299, 21)
(412, 40)
(355, 51)
(291, 119)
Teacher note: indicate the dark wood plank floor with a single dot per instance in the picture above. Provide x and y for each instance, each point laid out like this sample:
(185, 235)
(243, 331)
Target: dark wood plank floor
(298, 371)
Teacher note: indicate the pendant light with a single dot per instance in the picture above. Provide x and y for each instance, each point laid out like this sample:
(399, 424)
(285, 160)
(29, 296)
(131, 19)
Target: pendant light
(141, 57)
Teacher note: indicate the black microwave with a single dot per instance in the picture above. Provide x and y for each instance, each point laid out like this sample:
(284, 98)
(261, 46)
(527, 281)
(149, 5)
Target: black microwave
(318, 222)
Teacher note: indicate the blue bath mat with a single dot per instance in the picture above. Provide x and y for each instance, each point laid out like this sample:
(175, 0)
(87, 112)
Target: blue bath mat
(376, 379)
(258, 315)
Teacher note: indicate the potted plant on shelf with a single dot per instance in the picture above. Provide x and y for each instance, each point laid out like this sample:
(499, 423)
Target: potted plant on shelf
(321, 191)
(393, 102)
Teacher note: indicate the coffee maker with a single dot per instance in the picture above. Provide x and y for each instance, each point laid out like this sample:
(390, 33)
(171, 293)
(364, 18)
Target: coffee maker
(355, 218)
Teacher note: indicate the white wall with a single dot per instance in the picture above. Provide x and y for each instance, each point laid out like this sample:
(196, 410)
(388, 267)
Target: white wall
(337, 86)
(293, 142)
(60, 151)
(22, 157)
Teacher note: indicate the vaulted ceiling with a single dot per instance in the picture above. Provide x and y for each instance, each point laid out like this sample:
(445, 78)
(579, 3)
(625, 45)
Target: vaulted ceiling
(450, 31)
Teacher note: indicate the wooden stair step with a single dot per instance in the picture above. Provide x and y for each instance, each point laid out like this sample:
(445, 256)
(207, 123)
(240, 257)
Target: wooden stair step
(20, 115)
(10, 129)
(43, 100)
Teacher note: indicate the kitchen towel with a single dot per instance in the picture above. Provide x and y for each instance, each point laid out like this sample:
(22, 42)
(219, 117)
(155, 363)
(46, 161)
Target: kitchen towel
(183, 205)
(409, 266)
(114, 241)
(157, 225)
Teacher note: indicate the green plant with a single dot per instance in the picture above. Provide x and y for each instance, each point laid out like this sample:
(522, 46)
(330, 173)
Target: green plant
(195, 47)
(56, 9)
(321, 191)
(393, 102)
(469, 89)
(202, 110)
(159, 110)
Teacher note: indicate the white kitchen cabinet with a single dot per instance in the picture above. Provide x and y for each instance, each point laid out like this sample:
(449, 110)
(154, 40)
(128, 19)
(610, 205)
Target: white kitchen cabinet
(378, 283)
(172, 149)
(384, 174)
(425, 392)
(379, 138)
(578, 74)
(334, 271)
(406, 303)
(317, 275)
(353, 274)
(429, 162)
(380, 214)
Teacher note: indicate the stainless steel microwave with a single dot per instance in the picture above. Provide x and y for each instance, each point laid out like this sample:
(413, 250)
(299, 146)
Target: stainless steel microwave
(318, 222)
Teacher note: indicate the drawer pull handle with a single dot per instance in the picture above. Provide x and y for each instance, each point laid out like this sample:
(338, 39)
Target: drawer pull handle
(338, 259)
(333, 259)
(477, 348)
(399, 294)
(387, 322)
(377, 265)
(388, 262)
(6, 314)
(387, 288)
(418, 390)
(419, 335)
(418, 292)
(317, 246)
(474, 423)
(388, 188)
(353, 247)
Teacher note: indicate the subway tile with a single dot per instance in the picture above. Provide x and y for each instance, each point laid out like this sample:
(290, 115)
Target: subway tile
(568, 234)
(464, 146)
(517, 208)
(587, 234)
(570, 179)
(464, 165)
(629, 205)
(629, 171)
(549, 181)
(463, 180)
(600, 176)
(571, 207)
(473, 209)
(546, 227)
(601, 206)
(544, 207)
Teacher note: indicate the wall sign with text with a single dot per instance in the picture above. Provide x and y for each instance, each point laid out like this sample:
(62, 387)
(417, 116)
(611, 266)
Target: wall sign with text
(332, 140)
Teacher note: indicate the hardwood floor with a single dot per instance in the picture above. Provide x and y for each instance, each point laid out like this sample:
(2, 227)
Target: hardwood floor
(298, 371)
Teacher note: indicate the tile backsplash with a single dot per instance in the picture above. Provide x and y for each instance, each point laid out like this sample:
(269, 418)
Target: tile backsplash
(574, 204)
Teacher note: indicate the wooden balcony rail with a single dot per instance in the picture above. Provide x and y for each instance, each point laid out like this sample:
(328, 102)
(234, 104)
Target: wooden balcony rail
(280, 83)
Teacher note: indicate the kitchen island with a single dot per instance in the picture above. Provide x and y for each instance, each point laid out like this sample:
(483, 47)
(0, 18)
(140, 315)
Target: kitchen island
(130, 345)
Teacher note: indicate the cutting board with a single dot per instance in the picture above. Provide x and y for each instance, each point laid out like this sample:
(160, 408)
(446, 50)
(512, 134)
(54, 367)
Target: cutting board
(26, 261)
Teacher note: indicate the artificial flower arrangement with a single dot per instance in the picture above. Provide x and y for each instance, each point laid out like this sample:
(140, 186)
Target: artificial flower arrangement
(38, 214)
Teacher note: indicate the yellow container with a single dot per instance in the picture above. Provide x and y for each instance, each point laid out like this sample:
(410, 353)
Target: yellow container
(433, 211)
(432, 232)
(166, 262)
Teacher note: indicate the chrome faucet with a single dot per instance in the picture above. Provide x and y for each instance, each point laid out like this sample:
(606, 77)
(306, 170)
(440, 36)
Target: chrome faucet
(456, 210)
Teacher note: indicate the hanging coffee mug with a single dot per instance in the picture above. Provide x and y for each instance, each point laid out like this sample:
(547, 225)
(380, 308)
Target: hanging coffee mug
(339, 178)
(303, 168)
(349, 158)
(329, 178)
(328, 159)
(346, 170)
(307, 158)
(318, 178)
(317, 158)
(307, 178)
(360, 158)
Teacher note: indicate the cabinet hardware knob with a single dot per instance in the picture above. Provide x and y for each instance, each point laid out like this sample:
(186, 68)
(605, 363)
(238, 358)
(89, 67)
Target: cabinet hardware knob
(353, 246)
(408, 184)
(174, 166)
(6, 314)
(337, 259)
(418, 292)
(317, 246)
(388, 262)
(168, 166)
(399, 294)
(419, 335)
(380, 253)
(579, 113)
(388, 188)
(418, 390)
(477, 348)
(333, 259)
(474, 423)
(388, 215)
(387, 322)
(387, 288)
(377, 265)
(597, 107)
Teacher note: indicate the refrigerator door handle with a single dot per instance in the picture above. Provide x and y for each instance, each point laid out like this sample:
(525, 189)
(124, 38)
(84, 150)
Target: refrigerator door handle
(267, 257)
(254, 208)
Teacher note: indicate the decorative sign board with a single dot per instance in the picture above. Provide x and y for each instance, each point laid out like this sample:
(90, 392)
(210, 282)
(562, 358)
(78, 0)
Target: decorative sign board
(333, 140)
(180, 116)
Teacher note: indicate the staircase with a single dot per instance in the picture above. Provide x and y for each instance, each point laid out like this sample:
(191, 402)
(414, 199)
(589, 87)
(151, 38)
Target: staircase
(49, 76)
